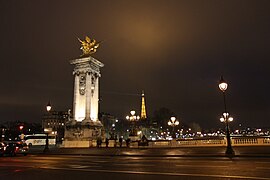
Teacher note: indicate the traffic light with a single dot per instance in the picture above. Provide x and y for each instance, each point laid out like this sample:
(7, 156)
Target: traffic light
(21, 127)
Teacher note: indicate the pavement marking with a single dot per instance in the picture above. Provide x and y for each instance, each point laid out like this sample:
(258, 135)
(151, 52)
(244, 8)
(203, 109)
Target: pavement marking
(268, 168)
(202, 166)
(101, 161)
(129, 164)
(162, 173)
(81, 167)
(262, 162)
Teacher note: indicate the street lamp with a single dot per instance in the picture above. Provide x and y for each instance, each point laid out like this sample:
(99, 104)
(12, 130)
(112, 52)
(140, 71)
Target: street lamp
(173, 122)
(133, 118)
(226, 118)
(46, 149)
(48, 107)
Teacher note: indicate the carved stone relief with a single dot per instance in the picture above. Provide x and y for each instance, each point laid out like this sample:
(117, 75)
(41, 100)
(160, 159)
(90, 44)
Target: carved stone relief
(82, 83)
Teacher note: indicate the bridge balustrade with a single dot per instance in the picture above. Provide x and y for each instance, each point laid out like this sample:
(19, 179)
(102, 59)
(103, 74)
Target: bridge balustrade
(198, 142)
(266, 141)
(236, 141)
(244, 141)
(218, 141)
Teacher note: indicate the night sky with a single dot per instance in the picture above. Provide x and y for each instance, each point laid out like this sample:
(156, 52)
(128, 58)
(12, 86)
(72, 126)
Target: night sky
(175, 51)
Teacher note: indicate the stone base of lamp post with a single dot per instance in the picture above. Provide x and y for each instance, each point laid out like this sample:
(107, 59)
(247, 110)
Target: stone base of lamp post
(173, 143)
(229, 151)
(46, 149)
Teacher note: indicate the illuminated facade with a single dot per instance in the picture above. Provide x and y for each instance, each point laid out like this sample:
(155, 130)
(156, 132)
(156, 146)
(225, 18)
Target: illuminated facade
(143, 109)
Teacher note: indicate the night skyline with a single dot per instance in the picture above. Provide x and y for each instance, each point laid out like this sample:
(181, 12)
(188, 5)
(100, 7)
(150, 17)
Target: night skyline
(175, 51)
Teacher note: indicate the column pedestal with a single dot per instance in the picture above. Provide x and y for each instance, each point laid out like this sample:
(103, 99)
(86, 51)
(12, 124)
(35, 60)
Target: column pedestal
(82, 134)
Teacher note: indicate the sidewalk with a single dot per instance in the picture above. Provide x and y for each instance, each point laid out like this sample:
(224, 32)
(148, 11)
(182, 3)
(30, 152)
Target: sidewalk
(246, 151)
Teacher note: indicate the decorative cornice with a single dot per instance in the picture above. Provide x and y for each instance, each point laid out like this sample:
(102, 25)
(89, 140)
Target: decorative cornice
(87, 65)
(87, 59)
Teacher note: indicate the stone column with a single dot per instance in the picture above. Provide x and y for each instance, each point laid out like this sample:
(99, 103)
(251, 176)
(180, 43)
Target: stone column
(88, 97)
(95, 97)
(76, 93)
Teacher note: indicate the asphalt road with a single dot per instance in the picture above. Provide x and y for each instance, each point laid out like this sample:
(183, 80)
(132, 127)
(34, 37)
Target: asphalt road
(79, 167)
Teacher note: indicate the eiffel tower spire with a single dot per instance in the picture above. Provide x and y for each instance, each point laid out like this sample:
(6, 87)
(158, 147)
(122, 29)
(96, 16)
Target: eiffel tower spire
(143, 109)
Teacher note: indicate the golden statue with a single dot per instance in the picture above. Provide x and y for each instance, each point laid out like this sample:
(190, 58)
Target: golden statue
(88, 46)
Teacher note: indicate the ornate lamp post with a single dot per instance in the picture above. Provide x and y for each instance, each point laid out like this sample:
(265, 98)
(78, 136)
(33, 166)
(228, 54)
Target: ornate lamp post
(133, 118)
(226, 118)
(173, 122)
(46, 149)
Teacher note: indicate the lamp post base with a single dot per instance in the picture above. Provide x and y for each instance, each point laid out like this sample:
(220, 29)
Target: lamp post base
(46, 150)
(230, 152)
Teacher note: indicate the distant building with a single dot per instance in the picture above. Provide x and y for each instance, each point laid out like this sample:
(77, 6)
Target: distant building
(109, 122)
(54, 123)
(114, 127)
(2, 132)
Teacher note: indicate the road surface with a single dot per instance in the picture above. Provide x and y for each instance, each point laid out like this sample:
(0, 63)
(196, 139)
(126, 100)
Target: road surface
(80, 167)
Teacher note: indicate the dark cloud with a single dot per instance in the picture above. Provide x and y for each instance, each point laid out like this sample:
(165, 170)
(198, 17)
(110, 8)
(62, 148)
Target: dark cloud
(174, 50)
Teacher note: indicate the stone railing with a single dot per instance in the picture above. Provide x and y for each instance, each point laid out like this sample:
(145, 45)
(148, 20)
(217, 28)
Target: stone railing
(249, 141)
(218, 141)
(188, 142)
(236, 141)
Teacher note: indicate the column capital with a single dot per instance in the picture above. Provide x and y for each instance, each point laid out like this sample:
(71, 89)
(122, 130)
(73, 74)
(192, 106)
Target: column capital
(88, 65)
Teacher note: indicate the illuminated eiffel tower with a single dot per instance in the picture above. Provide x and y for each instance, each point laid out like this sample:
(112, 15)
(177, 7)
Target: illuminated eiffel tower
(143, 109)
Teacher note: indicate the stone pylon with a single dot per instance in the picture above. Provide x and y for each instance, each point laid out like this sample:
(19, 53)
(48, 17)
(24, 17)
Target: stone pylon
(84, 126)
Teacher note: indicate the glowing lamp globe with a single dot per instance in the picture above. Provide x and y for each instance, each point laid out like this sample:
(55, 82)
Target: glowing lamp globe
(48, 107)
(222, 84)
